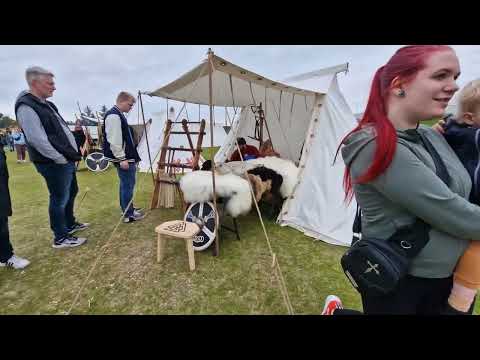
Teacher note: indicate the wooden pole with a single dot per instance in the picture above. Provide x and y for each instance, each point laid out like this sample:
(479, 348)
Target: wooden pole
(210, 101)
(187, 132)
(199, 145)
(146, 134)
(260, 115)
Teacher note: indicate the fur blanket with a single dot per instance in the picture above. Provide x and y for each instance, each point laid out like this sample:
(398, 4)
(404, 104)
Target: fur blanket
(197, 186)
(285, 168)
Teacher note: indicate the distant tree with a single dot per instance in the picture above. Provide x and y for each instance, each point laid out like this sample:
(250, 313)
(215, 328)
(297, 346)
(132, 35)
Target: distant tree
(104, 109)
(6, 121)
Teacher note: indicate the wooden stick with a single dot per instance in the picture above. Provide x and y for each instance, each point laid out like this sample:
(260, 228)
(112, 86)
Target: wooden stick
(210, 103)
(146, 135)
(187, 132)
(199, 145)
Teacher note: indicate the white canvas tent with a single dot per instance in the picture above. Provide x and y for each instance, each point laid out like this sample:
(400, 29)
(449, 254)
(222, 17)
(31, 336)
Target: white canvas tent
(308, 118)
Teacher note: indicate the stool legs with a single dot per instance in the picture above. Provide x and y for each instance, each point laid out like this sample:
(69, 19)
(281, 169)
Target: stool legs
(191, 256)
(160, 248)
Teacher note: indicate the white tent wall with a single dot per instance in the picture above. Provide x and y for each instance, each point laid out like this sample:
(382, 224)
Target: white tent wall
(287, 116)
(327, 218)
(155, 138)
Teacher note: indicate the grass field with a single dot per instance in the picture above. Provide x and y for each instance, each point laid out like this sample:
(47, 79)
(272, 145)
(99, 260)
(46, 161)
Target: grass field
(128, 280)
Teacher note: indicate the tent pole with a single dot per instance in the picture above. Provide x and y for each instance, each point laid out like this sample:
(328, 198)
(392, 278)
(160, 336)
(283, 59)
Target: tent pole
(146, 134)
(260, 115)
(265, 120)
(210, 101)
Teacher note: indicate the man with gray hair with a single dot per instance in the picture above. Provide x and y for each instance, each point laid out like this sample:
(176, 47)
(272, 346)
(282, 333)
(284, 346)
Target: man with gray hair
(53, 151)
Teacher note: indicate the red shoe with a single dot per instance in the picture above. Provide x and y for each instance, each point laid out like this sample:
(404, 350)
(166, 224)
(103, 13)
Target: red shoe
(332, 303)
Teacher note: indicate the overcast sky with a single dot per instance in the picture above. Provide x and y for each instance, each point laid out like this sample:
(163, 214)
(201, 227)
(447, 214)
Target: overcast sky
(93, 75)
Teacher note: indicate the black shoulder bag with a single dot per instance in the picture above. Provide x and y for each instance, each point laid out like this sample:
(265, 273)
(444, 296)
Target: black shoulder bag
(375, 266)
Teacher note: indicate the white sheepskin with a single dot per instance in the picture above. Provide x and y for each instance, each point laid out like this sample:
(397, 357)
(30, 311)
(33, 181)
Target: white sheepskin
(197, 186)
(235, 167)
(283, 167)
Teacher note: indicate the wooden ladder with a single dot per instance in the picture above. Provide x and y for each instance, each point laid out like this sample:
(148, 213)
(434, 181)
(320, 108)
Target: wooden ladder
(165, 175)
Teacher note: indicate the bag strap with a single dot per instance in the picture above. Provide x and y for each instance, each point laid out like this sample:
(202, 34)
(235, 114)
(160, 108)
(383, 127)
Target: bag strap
(357, 226)
(440, 168)
(407, 238)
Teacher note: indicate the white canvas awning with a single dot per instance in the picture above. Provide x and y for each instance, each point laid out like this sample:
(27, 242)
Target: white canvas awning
(233, 86)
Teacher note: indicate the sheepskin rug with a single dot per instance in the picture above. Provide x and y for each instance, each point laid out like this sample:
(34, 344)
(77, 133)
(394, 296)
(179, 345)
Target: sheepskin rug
(283, 167)
(197, 186)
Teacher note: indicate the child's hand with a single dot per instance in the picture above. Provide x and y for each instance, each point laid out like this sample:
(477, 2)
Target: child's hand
(438, 127)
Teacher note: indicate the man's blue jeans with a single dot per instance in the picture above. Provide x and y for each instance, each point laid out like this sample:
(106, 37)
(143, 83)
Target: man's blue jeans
(62, 185)
(127, 184)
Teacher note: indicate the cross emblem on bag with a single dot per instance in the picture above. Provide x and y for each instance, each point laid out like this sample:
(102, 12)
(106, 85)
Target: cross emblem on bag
(372, 267)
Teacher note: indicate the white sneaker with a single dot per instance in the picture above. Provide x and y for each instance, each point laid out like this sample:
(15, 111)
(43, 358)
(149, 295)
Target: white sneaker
(15, 262)
(136, 212)
(136, 217)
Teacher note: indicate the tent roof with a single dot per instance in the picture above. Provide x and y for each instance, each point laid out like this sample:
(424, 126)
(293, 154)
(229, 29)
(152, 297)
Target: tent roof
(192, 87)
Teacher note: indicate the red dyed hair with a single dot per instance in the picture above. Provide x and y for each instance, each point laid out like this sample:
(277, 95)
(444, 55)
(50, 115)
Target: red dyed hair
(404, 64)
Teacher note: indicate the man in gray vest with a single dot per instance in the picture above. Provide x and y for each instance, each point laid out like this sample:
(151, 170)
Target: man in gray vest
(53, 151)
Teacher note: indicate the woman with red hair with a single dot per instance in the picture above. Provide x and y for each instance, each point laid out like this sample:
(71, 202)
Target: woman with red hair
(393, 175)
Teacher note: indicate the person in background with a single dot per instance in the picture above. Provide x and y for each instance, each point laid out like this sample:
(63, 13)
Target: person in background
(267, 149)
(248, 151)
(19, 143)
(10, 140)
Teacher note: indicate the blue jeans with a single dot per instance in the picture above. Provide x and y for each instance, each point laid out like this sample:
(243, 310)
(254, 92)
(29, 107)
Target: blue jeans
(127, 184)
(62, 185)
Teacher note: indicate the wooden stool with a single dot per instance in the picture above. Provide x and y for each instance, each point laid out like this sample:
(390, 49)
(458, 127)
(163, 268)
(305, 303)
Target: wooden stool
(177, 229)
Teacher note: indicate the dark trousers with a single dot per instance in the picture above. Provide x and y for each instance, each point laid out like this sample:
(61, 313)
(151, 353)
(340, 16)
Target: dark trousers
(62, 185)
(414, 296)
(20, 151)
(127, 184)
(6, 249)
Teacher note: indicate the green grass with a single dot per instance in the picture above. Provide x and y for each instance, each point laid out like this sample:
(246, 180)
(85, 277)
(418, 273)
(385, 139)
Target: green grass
(430, 122)
(208, 152)
(127, 278)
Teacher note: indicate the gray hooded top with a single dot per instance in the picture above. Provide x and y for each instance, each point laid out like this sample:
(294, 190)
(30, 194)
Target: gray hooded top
(410, 188)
